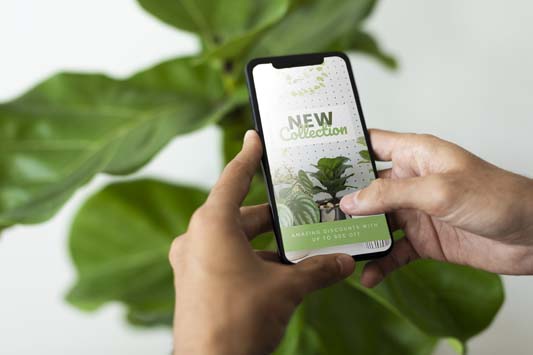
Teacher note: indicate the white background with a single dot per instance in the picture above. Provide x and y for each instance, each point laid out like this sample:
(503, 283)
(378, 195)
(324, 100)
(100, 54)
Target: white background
(465, 75)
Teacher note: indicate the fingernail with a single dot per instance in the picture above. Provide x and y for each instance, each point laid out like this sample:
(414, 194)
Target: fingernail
(248, 134)
(345, 264)
(349, 202)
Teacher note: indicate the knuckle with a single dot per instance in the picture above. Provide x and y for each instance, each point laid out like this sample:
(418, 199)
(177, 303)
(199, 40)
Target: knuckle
(443, 194)
(201, 215)
(240, 166)
(379, 188)
(175, 250)
(326, 269)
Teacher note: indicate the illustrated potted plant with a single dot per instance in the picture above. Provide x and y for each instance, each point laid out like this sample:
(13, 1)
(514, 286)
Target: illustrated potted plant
(331, 175)
(295, 203)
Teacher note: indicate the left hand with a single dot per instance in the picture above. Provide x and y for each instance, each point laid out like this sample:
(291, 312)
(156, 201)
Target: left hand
(230, 299)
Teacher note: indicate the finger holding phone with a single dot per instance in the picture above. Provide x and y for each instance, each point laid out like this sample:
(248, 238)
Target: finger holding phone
(229, 298)
(452, 205)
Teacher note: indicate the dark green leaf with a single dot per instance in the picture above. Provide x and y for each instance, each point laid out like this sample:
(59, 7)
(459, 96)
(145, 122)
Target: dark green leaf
(119, 243)
(345, 320)
(70, 127)
(226, 26)
(312, 26)
(443, 299)
(362, 42)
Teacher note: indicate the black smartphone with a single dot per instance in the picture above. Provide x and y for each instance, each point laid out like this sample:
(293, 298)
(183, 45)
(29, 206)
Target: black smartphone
(316, 149)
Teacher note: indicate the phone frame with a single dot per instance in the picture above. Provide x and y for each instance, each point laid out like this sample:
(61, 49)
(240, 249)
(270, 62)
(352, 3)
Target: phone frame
(294, 61)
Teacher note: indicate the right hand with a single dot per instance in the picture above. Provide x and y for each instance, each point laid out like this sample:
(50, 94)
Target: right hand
(452, 205)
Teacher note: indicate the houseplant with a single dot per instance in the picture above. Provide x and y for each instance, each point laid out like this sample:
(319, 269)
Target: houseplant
(331, 176)
(72, 126)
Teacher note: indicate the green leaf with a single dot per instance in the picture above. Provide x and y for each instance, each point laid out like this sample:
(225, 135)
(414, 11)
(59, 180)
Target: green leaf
(344, 320)
(312, 26)
(226, 26)
(363, 42)
(119, 243)
(330, 174)
(234, 126)
(305, 182)
(285, 216)
(60, 134)
(361, 141)
(365, 155)
(443, 299)
(303, 208)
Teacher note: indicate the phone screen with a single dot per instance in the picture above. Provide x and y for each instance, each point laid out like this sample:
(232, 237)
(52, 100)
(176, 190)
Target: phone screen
(317, 152)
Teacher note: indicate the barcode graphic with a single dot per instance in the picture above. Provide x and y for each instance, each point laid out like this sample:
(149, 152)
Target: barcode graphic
(378, 244)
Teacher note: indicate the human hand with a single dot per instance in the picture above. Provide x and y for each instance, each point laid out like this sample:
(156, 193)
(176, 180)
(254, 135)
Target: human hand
(452, 205)
(230, 299)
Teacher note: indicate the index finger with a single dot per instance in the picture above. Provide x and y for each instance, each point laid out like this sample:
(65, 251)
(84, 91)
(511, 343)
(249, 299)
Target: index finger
(234, 183)
(383, 143)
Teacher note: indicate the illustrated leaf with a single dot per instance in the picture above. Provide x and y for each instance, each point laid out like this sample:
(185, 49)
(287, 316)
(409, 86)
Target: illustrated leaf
(305, 182)
(361, 140)
(345, 320)
(365, 155)
(303, 208)
(226, 26)
(60, 134)
(285, 215)
(119, 243)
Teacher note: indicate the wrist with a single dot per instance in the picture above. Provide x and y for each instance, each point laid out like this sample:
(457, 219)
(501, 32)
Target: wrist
(207, 342)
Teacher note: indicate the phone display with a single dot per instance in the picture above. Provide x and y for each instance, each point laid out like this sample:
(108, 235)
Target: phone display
(316, 151)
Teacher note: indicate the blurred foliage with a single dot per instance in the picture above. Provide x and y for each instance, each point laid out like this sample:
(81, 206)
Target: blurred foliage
(59, 135)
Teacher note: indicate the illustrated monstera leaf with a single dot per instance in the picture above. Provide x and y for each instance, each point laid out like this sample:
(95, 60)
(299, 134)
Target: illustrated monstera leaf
(60, 134)
(285, 216)
(303, 208)
(305, 182)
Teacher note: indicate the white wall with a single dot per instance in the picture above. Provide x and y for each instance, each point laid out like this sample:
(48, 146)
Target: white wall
(465, 76)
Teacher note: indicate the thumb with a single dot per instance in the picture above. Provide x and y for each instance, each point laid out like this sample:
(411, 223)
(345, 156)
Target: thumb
(322, 271)
(431, 194)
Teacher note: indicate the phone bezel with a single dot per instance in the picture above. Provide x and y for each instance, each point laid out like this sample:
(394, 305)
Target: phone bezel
(303, 60)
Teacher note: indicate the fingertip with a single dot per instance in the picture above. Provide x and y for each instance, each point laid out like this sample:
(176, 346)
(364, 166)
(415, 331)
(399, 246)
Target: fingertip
(371, 276)
(250, 136)
(346, 265)
(348, 203)
(251, 141)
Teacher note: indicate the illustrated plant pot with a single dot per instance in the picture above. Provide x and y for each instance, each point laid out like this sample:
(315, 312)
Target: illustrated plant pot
(330, 212)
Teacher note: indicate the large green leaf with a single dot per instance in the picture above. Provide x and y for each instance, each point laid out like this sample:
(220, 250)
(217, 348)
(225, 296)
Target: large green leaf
(70, 127)
(344, 320)
(225, 26)
(365, 43)
(119, 243)
(444, 300)
(120, 239)
(312, 26)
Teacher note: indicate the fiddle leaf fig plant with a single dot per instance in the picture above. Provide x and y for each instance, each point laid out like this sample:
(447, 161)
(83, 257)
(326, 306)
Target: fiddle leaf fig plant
(72, 126)
(332, 176)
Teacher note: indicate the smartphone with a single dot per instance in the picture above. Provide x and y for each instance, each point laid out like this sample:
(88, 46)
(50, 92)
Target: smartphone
(316, 149)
